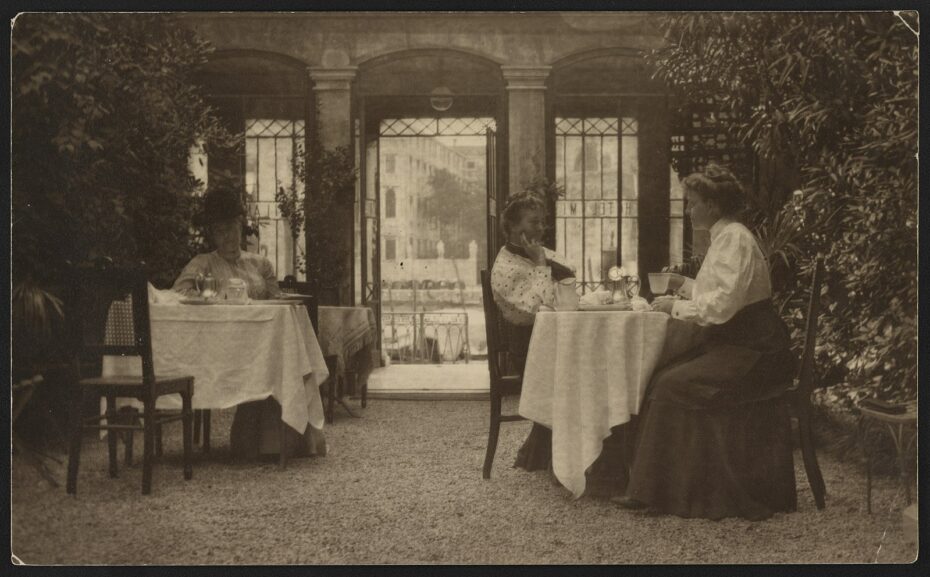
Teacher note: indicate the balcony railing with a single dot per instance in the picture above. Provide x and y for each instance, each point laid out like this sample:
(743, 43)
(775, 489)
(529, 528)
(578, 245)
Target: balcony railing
(425, 337)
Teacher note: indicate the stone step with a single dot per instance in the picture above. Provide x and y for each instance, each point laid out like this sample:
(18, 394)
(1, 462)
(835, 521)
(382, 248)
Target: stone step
(448, 381)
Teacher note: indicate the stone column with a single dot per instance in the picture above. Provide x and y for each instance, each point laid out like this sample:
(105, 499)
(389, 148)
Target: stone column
(333, 94)
(332, 89)
(526, 123)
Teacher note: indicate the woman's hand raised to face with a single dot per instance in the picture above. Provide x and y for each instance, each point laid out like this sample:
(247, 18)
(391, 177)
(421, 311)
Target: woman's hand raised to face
(535, 250)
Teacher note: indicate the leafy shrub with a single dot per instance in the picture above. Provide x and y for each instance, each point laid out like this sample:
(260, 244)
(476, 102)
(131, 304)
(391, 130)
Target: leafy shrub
(833, 95)
(106, 108)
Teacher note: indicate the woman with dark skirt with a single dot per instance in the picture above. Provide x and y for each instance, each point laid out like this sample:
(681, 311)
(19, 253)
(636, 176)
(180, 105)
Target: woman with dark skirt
(714, 436)
(524, 276)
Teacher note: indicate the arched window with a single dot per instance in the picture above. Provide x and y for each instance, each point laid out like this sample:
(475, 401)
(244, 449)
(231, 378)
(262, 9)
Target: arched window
(390, 203)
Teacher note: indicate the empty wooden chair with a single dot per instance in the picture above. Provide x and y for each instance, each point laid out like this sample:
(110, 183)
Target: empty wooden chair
(109, 314)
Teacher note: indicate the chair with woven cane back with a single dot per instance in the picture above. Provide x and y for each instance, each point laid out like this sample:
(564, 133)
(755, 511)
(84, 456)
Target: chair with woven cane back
(502, 383)
(109, 312)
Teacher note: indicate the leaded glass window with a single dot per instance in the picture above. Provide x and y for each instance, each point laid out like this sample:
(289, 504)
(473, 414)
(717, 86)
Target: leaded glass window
(597, 164)
(270, 146)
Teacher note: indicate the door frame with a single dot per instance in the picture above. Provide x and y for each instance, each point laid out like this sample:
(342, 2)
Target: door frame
(369, 110)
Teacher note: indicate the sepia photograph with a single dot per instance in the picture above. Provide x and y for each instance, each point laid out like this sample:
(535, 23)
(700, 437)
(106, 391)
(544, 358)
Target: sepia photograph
(460, 288)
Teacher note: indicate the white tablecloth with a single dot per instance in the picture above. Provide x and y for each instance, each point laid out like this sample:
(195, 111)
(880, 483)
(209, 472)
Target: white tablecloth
(237, 354)
(587, 372)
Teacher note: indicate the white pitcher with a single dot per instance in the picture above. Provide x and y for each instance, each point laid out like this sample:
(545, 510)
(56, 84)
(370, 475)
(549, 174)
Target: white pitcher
(566, 296)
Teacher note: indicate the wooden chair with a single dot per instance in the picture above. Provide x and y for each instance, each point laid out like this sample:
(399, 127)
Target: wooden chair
(799, 395)
(502, 384)
(109, 312)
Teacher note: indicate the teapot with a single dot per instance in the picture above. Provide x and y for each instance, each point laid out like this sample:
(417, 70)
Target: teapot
(206, 285)
(624, 286)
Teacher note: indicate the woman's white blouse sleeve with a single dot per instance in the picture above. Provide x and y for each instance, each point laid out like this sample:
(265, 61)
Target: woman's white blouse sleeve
(519, 287)
(722, 285)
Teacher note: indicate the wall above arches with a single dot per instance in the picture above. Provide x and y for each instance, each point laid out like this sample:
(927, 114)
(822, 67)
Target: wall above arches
(352, 38)
(612, 70)
(255, 72)
(420, 71)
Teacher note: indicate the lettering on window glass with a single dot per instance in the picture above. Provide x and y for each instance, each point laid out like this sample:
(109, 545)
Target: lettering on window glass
(597, 164)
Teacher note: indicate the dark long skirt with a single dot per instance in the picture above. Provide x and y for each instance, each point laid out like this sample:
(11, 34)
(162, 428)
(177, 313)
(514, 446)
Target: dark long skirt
(256, 432)
(714, 437)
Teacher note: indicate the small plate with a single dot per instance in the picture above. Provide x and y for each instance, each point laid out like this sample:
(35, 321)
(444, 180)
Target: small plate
(605, 307)
(277, 302)
(195, 301)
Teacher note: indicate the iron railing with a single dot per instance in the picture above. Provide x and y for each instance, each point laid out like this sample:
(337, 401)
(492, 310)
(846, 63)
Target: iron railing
(425, 337)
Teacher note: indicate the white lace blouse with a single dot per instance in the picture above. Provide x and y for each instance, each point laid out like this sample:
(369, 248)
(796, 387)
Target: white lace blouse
(519, 286)
(734, 274)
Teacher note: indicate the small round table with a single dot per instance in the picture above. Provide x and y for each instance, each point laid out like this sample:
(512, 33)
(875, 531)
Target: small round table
(902, 427)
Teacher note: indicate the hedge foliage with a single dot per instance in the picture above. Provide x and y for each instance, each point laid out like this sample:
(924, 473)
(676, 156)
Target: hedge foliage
(834, 97)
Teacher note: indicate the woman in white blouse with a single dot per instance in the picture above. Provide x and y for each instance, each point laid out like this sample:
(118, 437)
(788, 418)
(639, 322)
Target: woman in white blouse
(524, 276)
(525, 273)
(714, 437)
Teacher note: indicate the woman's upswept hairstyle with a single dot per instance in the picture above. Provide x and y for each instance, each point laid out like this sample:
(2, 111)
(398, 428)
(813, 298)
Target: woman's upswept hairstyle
(515, 207)
(717, 184)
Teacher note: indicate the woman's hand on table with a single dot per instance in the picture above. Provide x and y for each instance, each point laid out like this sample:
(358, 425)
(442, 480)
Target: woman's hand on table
(663, 304)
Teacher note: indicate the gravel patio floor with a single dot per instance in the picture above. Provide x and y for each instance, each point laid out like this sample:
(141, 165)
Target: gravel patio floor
(403, 485)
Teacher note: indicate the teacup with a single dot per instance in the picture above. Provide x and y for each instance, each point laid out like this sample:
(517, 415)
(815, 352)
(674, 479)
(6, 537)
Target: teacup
(566, 296)
(658, 282)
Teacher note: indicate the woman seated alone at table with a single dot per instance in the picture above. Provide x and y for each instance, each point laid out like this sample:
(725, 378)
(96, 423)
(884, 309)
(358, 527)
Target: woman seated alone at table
(223, 218)
(714, 438)
(524, 276)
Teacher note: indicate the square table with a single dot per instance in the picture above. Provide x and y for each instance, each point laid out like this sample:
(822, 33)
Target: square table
(587, 371)
(238, 354)
(348, 333)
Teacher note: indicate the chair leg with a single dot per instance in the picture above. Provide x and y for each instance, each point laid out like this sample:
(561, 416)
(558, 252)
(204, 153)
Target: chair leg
(198, 416)
(493, 433)
(112, 435)
(814, 476)
(148, 433)
(365, 394)
(206, 431)
(74, 451)
(187, 422)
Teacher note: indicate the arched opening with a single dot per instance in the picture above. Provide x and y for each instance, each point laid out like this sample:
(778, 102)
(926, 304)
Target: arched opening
(607, 139)
(263, 97)
(426, 123)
